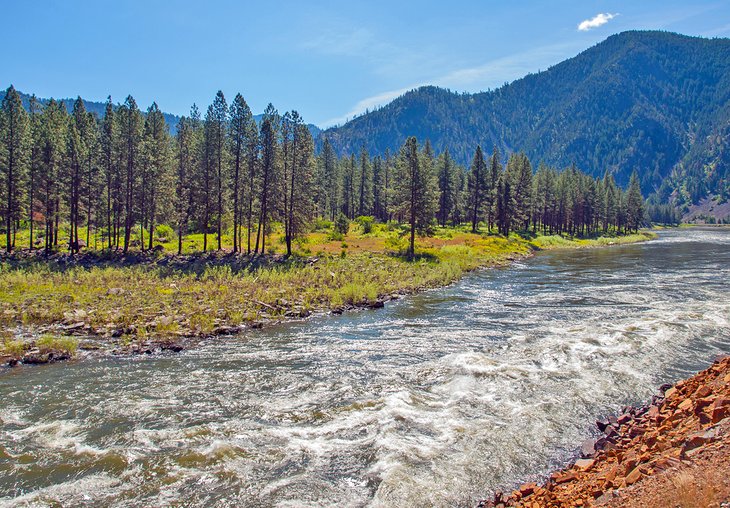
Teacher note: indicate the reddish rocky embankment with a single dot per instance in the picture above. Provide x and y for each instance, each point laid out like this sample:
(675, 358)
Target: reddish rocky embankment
(671, 452)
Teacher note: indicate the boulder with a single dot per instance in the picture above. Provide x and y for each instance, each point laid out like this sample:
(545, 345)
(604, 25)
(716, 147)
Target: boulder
(584, 464)
(633, 477)
(720, 409)
(588, 448)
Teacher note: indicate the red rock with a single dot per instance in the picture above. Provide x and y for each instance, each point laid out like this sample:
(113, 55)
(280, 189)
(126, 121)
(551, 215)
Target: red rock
(633, 477)
(700, 404)
(653, 412)
(686, 405)
(703, 392)
(720, 409)
(527, 489)
(584, 464)
(560, 478)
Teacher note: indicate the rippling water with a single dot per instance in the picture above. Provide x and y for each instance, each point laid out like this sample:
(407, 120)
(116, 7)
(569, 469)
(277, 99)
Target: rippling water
(434, 400)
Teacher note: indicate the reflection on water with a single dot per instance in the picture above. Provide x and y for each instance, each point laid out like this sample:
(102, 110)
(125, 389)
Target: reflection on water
(434, 400)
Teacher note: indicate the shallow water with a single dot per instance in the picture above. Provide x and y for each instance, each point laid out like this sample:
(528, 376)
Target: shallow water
(434, 400)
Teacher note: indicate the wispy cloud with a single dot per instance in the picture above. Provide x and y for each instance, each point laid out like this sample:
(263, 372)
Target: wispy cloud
(490, 74)
(596, 21)
(366, 104)
(717, 31)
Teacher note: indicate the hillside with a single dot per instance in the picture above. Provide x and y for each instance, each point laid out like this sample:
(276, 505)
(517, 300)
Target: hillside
(653, 101)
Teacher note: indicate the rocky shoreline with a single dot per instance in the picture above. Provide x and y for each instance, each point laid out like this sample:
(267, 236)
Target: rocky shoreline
(91, 344)
(672, 451)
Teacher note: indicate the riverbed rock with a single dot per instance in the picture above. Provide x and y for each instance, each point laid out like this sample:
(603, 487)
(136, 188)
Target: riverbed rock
(37, 357)
(588, 448)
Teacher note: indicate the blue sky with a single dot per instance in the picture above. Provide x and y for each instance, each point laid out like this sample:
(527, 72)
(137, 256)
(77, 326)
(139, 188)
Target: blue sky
(328, 60)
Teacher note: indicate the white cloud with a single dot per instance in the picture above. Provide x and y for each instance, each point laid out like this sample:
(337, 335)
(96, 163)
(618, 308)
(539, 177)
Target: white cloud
(366, 104)
(596, 21)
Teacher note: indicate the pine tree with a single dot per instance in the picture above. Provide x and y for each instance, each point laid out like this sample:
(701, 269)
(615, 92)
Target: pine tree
(348, 186)
(35, 165)
(157, 161)
(108, 142)
(519, 173)
(634, 204)
(495, 170)
(131, 124)
(330, 181)
(270, 126)
(504, 204)
(447, 197)
(239, 133)
(378, 188)
(183, 185)
(365, 184)
(414, 192)
(477, 184)
(298, 150)
(13, 152)
(53, 149)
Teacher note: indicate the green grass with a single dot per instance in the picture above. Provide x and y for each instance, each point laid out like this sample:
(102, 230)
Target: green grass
(565, 242)
(162, 301)
(53, 343)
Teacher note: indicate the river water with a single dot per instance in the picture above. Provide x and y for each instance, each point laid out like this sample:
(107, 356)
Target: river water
(435, 400)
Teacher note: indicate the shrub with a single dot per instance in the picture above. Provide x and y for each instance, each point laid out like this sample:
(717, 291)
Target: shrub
(164, 233)
(323, 225)
(14, 348)
(366, 223)
(342, 224)
(49, 342)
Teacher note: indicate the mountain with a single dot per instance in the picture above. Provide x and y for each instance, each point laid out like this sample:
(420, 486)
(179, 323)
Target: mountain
(98, 108)
(652, 101)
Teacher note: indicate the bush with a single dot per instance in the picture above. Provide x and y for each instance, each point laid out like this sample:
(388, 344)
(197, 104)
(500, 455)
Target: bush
(65, 344)
(14, 348)
(342, 224)
(366, 223)
(164, 233)
(323, 225)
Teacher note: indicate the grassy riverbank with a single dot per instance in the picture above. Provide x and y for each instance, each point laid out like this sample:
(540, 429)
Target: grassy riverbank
(156, 298)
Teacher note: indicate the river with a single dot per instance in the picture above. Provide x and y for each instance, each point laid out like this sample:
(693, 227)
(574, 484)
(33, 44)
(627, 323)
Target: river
(434, 400)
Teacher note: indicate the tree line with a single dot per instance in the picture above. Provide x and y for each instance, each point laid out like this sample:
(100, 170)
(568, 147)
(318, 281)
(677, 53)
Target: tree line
(124, 174)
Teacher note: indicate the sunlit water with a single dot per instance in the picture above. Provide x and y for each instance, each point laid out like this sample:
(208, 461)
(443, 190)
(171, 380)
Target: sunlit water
(434, 400)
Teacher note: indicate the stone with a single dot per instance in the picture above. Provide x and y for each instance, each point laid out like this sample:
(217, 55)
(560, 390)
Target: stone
(669, 393)
(720, 409)
(588, 448)
(703, 392)
(686, 405)
(526, 489)
(602, 424)
(584, 464)
(563, 477)
(653, 412)
(624, 419)
(633, 477)
(636, 431)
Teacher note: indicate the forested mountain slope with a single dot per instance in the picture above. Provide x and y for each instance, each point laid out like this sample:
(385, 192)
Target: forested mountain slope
(656, 102)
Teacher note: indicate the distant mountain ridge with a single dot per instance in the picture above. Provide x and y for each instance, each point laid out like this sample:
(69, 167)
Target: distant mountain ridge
(656, 102)
(99, 108)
